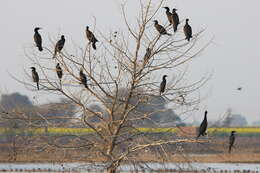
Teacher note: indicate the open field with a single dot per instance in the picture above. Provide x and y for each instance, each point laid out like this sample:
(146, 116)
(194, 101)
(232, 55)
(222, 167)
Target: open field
(37, 145)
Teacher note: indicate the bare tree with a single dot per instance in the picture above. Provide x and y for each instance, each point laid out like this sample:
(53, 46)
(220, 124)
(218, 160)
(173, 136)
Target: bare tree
(136, 61)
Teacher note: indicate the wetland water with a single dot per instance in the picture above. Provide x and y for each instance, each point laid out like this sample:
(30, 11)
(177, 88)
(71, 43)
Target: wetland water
(81, 167)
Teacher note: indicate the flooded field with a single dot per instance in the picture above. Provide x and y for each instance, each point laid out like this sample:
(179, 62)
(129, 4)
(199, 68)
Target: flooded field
(144, 167)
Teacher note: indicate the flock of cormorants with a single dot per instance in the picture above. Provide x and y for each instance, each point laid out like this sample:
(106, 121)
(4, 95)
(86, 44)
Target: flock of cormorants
(173, 19)
(58, 47)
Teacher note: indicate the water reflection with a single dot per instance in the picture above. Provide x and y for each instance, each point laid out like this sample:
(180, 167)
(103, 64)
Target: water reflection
(144, 167)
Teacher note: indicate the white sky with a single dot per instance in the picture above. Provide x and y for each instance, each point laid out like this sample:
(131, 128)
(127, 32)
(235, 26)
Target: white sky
(233, 57)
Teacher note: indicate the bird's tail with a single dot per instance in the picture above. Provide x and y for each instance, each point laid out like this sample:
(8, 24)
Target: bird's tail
(188, 38)
(169, 34)
(38, 86)
(229, 149)
(94, 45)
(86, 85)
(40, 48)
(55, 53)
(175, 28)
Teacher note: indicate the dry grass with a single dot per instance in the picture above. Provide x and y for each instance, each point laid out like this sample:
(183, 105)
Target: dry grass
(76, 156)
(36, 149)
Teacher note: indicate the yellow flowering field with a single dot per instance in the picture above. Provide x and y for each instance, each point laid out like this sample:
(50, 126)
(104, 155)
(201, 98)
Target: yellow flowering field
(80, 131)
(239, 130)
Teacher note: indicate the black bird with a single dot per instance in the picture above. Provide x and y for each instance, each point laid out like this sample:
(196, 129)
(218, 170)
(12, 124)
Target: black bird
(203, 126)
(175, 19)
(147, 54)
(163, 84)
(187, 30)
(91, 37)
(83, 78)
(35, 76)
(59, 71)
(239, 88)
(160, 28)
(231, 140)
(169, 15)
(37, 38)
(59, 45)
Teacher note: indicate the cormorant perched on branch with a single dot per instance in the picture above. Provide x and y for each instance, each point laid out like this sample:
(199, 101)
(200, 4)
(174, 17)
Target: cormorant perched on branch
(169, 15)
(147, 54)
(59, 45)
(163, 84)
(160, 28)
(175, 19)
(231, 140)
(91, 37)
(59, 71)
(37, 38)
(203, 125)
(83, 78)
(187, 30)
(35, 77)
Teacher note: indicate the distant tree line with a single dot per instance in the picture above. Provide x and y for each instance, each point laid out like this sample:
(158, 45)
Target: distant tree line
(18, 111)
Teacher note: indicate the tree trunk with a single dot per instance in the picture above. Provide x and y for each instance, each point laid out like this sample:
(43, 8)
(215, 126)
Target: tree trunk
(111, 169)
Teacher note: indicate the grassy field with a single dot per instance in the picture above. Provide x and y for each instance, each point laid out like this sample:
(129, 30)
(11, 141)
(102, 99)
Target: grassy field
(81, 131)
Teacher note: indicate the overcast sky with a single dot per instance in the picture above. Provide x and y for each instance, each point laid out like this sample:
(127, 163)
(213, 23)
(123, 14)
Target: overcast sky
(233, 57)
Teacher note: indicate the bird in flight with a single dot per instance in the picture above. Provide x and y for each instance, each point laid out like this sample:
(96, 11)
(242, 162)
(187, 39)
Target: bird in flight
(239, 88)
